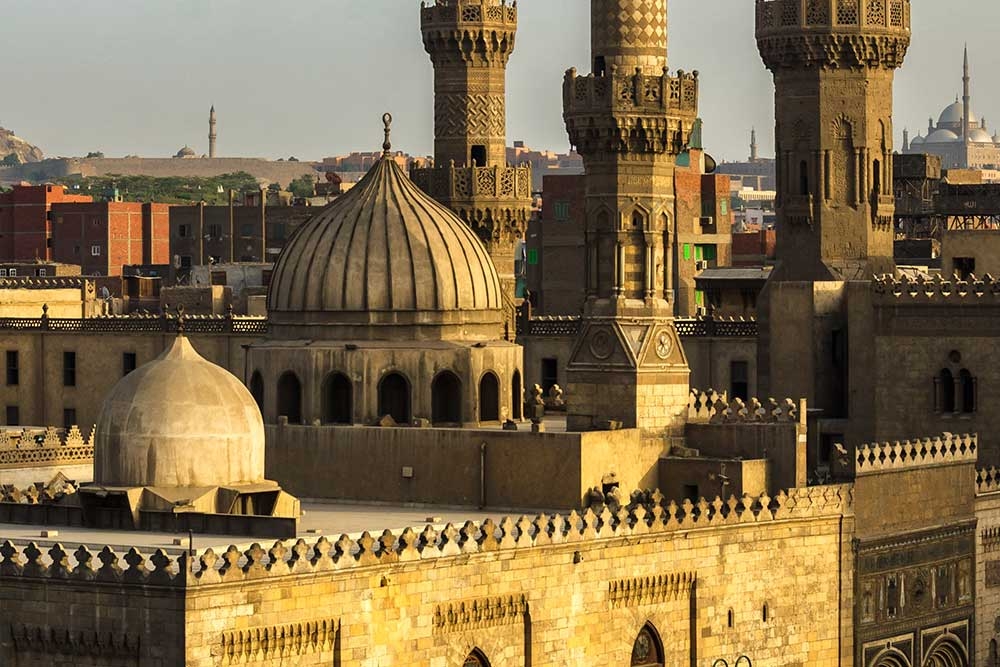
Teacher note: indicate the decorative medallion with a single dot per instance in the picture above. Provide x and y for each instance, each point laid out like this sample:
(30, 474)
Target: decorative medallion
(664, 344)
(601, 345)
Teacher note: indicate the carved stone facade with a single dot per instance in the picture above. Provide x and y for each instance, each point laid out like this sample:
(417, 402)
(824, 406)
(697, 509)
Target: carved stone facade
(629, 119)
(833, 72)
(470, 43)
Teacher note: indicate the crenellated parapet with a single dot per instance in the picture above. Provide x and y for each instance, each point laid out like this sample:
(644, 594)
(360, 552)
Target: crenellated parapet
(621, 112)
(712, 407)
(889, 290)
(833, 34)
(29, 449)
(947, 449)
(288, 559)
(988, 481)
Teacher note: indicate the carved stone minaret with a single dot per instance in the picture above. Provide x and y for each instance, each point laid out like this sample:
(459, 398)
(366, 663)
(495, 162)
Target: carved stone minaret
(629, 119)
(966, 98)
(211, 132)
(754, 155)
(470, 42)
(834, 63)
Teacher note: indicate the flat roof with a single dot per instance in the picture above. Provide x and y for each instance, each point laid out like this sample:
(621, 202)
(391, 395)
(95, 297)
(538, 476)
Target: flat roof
(735, 273)
(331, 519)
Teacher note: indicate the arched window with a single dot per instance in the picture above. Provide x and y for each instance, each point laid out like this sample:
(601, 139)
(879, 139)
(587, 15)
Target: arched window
(516, 401)
(876, 178)
(290, 397)
(994, 654)
(257, 389)
(945, 391)
(730, 618)
(647, 651)
(489, 398)
(803, 178)
(338, 400)
(967, 385)
(638, 220)
(394, 398)
(763, 613)
(446, 399)
(476, 659)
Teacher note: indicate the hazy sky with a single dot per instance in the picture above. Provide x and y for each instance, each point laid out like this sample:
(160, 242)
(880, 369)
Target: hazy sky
(311, 78)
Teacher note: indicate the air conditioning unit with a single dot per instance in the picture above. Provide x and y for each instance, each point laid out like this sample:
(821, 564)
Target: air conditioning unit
(700, 265)
(707, 221)
(701, 311)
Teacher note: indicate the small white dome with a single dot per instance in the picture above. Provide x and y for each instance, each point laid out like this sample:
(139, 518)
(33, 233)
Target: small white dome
(980, 136)
(917, 141)
(942, 137)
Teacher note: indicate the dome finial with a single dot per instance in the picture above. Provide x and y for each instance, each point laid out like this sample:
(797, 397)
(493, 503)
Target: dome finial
(180, 320)
(387, 145)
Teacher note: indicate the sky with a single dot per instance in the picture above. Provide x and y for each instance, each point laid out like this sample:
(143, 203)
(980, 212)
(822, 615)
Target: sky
(311, 78)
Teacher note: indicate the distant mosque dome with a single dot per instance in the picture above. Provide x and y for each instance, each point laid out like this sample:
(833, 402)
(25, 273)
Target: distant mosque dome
(917, 141)
(941, 136)
(980, 136)
(185, 152)
(953, 116)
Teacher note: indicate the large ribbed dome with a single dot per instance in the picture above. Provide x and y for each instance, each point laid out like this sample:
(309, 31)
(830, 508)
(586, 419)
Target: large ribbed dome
(179, 421)
(953, 116)
(384, 254)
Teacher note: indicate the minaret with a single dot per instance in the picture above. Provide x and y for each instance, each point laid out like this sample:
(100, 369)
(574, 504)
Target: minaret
(753, 145)
(966, 98)
(629, 120)
(470, 42)
(833, 75)
(211, 132)
(906, 140)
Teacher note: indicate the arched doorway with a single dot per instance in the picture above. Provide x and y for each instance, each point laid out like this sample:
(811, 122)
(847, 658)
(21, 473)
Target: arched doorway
(647, 651)
(394, 398)
(446, 399)
(338, 400)
(890, 658)
(476, 659)
(516, 401)
(257, 389)
(489, 398)
(290, 397)
(947, 651)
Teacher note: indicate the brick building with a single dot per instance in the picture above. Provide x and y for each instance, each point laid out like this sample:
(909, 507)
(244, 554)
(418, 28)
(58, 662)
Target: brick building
(102, 237)
(25, 225)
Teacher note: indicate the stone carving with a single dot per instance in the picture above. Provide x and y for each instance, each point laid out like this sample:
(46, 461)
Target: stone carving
(555, 399)
(991, 539)
(24, 451)
(916, 453)
(46, 640)
(713, 407)
(479, 613)
(925, 289)
(278, 641)
(650, 590)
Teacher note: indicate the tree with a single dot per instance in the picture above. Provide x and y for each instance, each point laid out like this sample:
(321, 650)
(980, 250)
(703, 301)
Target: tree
(95, 154)
(11, 160)
(303, 186)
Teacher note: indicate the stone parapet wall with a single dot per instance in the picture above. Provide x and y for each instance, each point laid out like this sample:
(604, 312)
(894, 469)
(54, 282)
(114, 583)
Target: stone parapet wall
(22, 451)
(909, 454)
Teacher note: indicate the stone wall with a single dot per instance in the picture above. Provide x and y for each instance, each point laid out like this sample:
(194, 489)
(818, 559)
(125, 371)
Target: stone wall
(444, 466)
(543, 593)
(987, 569)
(782, 444)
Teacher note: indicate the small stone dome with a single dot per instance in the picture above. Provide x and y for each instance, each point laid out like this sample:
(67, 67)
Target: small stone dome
(917, 141)
(941, 137)
(385, 254)
(179, 421)
(187, 151)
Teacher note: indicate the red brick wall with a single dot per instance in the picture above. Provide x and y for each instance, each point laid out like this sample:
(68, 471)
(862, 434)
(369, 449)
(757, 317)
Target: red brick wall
(24, 227)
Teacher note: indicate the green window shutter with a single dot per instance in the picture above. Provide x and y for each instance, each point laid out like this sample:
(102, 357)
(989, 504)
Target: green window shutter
(687, 251)
(710, 252)
(699, 298)
(533, 256)
(699, 253)
(724, 207)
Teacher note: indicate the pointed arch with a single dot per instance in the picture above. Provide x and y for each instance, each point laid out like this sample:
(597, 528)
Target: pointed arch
(891, 657)
(446, 399)
(476, 658)
(290, 397)
(394, 397)
(516, 392)
(647, 650)
(338, 399)
(257, 389)
(946, 651)
(489, 397)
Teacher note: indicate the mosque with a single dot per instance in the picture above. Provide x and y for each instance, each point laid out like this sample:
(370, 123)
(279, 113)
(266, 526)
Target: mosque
(960, 137)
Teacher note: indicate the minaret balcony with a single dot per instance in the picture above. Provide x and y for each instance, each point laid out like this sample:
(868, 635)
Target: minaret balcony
(775, 17)
(448, 13)
(632, 93)
(451, 184)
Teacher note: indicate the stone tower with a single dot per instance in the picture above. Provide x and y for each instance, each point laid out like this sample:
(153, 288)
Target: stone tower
(211, 132)
(470, 42)
(629, 119)
(754, 156)
(833, 63)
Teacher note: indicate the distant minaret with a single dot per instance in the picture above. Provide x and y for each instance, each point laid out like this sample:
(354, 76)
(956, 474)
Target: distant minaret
(753, 145)
(966, 107)
(906, 140)
(211, 132)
